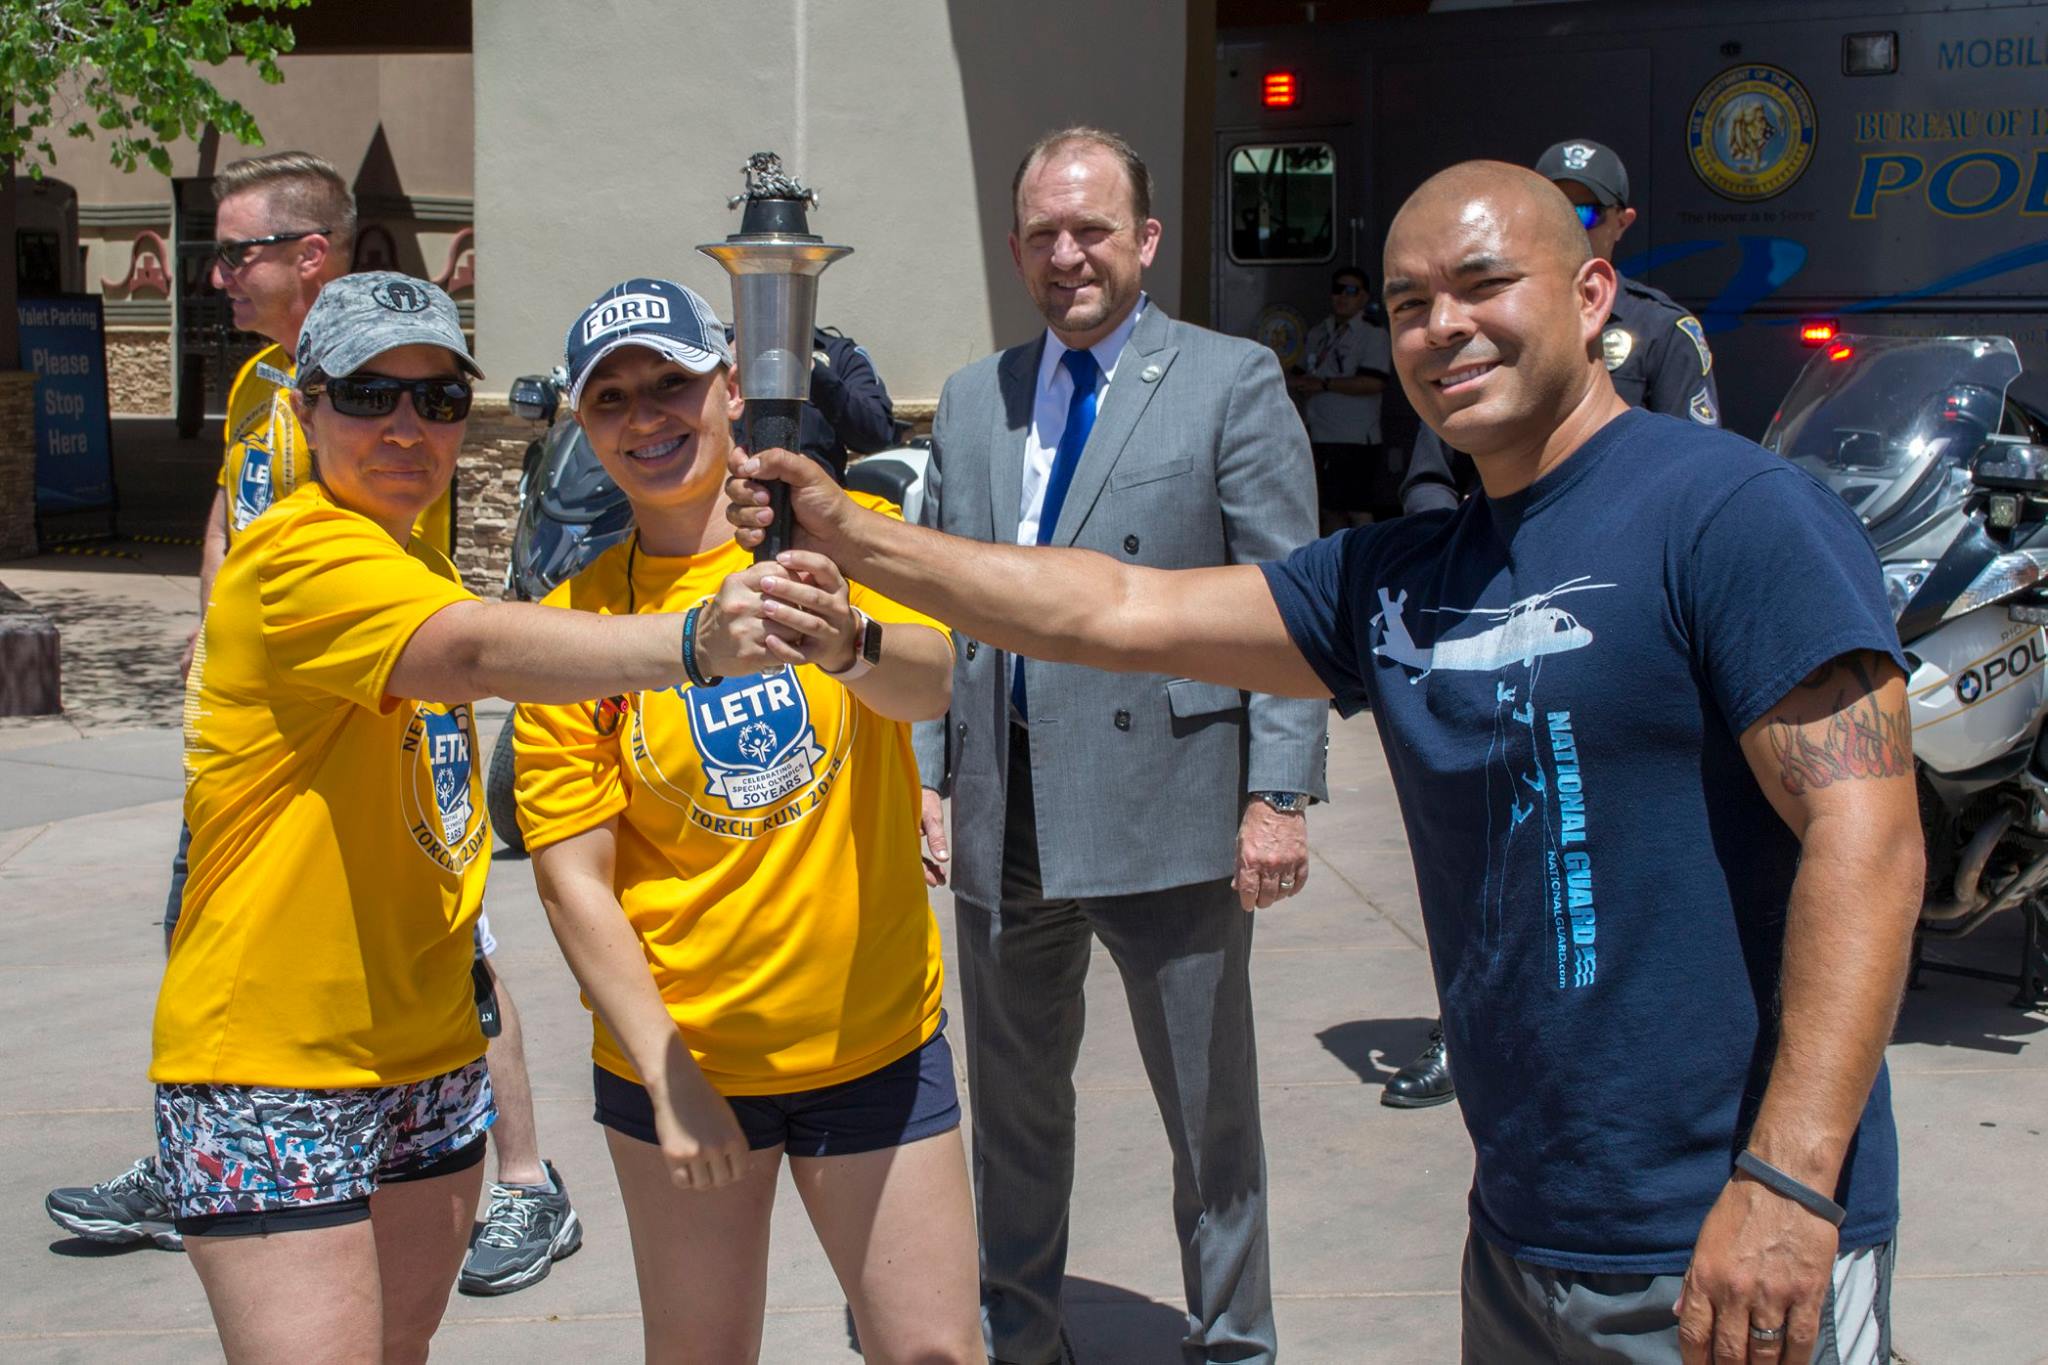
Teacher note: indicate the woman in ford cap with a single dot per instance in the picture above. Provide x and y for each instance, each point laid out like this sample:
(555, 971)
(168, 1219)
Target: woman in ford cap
(732, 868)
(321, 1096)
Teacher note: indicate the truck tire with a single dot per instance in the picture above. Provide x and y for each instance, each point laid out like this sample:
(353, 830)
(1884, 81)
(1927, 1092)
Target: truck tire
(498, 793)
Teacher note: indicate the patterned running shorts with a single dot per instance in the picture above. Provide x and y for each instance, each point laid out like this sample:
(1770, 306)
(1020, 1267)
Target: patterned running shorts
(257, 1150)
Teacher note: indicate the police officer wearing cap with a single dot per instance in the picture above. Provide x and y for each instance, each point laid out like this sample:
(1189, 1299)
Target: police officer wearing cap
(849, 412)
(1657, 355)
(1655, 351)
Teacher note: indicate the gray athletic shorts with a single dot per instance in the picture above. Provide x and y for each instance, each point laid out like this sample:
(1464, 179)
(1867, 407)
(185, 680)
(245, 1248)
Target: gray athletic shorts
(1515, 1311)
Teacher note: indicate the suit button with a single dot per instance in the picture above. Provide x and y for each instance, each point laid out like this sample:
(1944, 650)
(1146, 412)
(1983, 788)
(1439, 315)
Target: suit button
(1130, 545)
(1123, 720)
(971, 648)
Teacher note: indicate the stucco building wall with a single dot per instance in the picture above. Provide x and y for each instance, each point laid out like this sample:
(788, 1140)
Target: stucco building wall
(609, 138)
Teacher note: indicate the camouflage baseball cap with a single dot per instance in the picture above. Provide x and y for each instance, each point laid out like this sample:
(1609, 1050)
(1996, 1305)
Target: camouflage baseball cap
(359, 317)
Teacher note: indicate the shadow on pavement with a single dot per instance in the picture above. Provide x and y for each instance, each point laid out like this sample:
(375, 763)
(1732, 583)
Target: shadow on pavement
(1105, 1323)
(1947, 1010)
(78, 1248)
(1376, 1048)
(118, 669)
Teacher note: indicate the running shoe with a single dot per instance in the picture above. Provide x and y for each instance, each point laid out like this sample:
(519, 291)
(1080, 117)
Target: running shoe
(132, 1207)
(525, 1231)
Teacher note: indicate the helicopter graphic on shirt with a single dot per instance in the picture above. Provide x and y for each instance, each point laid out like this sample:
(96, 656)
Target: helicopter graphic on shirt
(1525, 631)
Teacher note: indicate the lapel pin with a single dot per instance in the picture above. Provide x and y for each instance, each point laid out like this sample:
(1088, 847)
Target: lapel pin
(1151, 373)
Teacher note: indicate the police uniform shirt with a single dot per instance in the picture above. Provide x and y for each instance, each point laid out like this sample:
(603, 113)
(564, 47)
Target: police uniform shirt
(1657, 355)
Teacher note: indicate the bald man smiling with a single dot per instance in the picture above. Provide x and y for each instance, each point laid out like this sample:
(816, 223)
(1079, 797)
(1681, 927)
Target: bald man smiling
(1644, 708)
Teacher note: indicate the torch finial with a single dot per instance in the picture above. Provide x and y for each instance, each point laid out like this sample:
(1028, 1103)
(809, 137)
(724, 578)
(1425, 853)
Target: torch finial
(765, 179)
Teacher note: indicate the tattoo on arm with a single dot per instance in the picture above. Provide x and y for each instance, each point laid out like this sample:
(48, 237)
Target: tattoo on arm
(1840, 731)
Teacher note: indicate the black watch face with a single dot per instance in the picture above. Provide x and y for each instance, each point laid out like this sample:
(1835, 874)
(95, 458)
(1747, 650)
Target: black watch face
(871, 641)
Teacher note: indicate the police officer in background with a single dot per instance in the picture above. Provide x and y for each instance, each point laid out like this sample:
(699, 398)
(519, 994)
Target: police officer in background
(849, 412)
(1655, 351)
(1657, 355)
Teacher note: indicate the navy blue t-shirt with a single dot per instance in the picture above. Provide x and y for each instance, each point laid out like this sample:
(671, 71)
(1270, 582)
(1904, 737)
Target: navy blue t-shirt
(1560, 679)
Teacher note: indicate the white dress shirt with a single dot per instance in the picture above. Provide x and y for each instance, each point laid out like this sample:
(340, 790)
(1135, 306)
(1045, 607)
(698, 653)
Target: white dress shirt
(1053, 396)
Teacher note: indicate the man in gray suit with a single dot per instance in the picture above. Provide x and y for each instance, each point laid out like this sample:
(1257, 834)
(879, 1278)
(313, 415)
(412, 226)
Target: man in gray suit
(1149, 812)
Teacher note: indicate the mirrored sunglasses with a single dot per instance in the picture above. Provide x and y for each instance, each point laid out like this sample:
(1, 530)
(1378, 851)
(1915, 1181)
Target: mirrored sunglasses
(435, 400)
(1589, 215)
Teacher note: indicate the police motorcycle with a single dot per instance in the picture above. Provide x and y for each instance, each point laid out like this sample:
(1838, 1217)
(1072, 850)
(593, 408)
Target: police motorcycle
(570, 512)
(1949, 474)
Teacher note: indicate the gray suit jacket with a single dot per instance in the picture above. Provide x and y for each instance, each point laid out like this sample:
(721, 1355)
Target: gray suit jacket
(1197, 458)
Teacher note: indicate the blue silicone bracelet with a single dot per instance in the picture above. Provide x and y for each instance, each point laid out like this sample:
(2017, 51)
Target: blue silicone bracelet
(697, 676)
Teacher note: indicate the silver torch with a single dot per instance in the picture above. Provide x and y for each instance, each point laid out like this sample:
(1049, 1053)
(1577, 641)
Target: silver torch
(774, 260)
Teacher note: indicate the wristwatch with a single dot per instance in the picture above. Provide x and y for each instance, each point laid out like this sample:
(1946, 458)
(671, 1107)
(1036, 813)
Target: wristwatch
(1287, 803)
(867, 651)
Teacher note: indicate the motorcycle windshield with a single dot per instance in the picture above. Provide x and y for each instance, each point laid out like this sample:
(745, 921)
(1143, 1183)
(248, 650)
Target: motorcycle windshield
(1879, 418)
(573, 485)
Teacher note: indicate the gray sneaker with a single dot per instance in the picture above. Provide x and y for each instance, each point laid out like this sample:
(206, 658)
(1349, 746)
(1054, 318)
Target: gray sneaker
(525, 1231)
(131, 1207)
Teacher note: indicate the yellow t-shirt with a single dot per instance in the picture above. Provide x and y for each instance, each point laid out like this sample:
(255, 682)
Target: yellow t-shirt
(267, 458)
(768, 851)
(339, 835)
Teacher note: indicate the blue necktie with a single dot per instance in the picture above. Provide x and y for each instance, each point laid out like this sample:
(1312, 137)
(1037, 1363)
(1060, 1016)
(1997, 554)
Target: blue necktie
(1080, 421)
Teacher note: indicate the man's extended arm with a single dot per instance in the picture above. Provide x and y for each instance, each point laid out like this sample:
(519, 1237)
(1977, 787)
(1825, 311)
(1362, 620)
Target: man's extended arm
(1835, 758)
(1058, 604)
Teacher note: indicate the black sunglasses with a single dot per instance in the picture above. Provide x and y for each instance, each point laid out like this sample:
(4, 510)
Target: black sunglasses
(435, 400)
(236, 252)
(1347, 289)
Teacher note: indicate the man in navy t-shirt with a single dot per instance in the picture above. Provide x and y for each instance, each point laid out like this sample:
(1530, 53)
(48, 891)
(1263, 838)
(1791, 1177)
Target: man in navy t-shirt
(1644, 707)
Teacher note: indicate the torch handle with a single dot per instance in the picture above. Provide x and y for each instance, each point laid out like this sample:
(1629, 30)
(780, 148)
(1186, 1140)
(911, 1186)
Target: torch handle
(771, 424)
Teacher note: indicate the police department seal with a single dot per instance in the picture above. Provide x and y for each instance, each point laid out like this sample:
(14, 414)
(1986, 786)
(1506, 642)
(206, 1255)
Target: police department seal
(1284, 330)
(1751, 132)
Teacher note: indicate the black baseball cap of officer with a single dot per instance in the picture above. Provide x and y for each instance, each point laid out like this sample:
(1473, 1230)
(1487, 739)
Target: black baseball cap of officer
(1590, 164)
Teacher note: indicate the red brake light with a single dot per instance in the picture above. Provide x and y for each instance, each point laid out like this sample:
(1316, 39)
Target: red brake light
(1280, 90)
(1841, 353)
(1818, 331)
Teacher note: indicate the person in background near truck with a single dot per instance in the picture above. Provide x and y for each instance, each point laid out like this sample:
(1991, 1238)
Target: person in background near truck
(1345, 372)
(284, 224)
(1656, 354)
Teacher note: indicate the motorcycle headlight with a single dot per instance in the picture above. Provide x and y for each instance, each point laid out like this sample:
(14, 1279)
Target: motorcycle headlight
(1902, 579)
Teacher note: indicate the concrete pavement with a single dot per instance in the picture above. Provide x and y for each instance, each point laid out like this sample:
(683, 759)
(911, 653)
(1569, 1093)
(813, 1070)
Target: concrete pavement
(1367, 1202)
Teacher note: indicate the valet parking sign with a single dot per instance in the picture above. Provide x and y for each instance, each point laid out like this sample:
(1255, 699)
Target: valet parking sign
(63, 341)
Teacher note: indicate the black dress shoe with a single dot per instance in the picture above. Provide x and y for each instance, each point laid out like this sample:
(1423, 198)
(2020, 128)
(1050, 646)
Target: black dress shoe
(1424, 1081)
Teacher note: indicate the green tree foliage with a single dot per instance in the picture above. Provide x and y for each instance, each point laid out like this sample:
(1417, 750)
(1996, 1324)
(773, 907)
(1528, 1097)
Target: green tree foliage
(130, 68)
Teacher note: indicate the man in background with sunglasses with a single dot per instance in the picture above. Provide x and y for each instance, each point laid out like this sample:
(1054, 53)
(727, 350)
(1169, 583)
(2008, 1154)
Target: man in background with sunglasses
(1656, 354)
(1346, 361)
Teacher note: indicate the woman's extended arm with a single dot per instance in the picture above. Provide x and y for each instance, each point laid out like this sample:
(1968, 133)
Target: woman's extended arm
(524, 652)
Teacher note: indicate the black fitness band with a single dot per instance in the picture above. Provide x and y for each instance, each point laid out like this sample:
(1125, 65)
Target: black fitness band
(1804, 1195)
